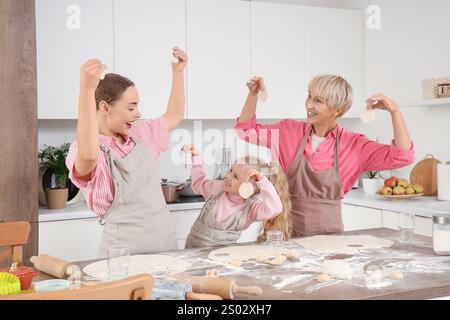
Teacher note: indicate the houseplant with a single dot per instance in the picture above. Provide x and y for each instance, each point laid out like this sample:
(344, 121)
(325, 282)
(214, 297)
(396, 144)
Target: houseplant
(54, 159)
(371, 182)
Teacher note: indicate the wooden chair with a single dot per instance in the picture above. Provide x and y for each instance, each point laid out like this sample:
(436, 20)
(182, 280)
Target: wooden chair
(136, 287)
(13, 235)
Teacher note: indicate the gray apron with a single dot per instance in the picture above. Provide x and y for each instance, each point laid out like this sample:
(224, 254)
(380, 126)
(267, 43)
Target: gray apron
(208, 232)
(315, 196)
(138, 217)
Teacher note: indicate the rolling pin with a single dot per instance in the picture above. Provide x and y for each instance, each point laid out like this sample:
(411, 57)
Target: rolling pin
(177, 290)
(223, 287)
(51, 265)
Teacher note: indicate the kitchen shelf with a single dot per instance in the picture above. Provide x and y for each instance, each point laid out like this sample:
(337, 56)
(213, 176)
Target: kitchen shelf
(427, 103)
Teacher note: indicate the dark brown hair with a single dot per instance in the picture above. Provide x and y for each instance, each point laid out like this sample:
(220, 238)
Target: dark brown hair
(111, 88)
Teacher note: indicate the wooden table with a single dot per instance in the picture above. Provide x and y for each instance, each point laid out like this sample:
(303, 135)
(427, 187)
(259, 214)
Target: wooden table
(415, 285)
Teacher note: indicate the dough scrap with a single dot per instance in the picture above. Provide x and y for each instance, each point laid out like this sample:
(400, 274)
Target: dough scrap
(396, 275)
(323, 277)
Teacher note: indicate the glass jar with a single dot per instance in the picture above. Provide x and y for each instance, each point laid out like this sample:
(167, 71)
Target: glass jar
(441, 234)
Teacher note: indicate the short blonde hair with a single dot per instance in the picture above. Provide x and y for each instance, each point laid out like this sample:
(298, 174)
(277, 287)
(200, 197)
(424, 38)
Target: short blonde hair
(334, 90)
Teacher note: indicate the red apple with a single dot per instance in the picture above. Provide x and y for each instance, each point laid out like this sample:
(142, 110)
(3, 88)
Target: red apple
(391, 182)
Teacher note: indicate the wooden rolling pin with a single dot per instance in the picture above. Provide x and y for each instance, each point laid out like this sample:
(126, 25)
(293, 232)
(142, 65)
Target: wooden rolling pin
(51, 265)
(223, 287)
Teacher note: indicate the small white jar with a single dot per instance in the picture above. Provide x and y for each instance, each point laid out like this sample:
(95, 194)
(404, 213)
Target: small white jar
(441, 234)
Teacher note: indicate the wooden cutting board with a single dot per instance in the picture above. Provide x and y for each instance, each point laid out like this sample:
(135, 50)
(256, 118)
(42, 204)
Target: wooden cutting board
(425, 173)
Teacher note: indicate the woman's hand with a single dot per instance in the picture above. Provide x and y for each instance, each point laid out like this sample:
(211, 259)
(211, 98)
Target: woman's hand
(255, 84)
(90, 73)
(182, 59)
(190, 148)
(380, 101)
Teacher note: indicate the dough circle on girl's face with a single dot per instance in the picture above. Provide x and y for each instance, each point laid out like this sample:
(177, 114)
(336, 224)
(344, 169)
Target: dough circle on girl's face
(246, 190)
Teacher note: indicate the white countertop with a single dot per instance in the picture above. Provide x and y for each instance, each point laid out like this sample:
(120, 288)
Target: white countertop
(80, 210)
(420, 206)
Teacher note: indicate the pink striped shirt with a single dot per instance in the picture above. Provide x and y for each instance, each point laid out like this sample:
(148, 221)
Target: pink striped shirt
(357, 154)
(99, 191)
(228, 204)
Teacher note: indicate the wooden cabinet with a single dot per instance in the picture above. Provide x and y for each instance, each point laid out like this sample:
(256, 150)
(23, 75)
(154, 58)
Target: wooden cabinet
(144, 34)
(336, 48)
(71, 240)
(68, 33)
(360, 218)
(218, 42)
(280, 40)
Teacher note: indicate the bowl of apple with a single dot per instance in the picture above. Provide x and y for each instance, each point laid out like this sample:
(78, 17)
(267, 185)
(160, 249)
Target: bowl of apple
(400, 189)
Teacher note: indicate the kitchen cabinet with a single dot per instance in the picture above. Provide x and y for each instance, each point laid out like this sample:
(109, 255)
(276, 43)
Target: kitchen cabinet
(68, 33)
(71, 240)
(423, 225)
(280, 40)
(144, 34)
(360, 218)
(337, 48)
(218, 42)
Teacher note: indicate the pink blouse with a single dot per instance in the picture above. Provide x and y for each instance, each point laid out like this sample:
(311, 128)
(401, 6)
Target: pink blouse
(99, 191)
(358, 154)
(228, 204)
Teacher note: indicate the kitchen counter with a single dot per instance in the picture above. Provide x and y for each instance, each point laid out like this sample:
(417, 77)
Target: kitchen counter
(80, 209)
(420, 206)
(426, 275)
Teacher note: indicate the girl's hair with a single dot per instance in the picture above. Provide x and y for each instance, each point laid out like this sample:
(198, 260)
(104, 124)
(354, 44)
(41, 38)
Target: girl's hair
(111, 88)
(274, 173)
(334, 90)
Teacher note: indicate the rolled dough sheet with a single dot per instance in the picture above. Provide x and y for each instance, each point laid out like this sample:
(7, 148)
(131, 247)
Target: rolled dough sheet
(154, 264)
(343, 244)
(244, 253)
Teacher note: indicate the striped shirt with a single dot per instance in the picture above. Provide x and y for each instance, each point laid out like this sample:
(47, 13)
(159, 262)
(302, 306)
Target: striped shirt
(99, 191)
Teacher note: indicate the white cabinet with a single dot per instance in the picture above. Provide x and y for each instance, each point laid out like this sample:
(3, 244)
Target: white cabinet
(251, 233)
(336, 48)
(218, 42)
(68, 33)
(183, 221)
(144, 34)
(423, 225)
(280, 39)
(71, 240)
(360, 218)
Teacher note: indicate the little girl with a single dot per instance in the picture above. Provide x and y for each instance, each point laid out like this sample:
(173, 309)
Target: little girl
(226, 214)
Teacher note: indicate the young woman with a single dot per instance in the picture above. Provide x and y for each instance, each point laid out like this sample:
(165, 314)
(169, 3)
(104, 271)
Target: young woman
(114, 160)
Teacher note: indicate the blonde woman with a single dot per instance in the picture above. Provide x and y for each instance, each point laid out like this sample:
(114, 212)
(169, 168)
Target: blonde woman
(322, 160)
(226, 213)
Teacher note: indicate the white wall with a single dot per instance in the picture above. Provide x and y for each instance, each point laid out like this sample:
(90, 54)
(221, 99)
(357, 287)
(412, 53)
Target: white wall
(406, 49)
(410, 46)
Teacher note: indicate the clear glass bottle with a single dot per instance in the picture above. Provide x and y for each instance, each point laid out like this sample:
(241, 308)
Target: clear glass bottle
(441, 234)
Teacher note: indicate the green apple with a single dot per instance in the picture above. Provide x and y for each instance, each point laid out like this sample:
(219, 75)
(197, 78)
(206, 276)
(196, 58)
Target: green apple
(418, 188)
(398, 191)
(403, 183)
(386, 191)
(410, 190)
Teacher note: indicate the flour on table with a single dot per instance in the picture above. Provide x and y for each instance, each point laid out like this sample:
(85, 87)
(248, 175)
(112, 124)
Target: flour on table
(154, 264)
(343, 244)
(244, 253)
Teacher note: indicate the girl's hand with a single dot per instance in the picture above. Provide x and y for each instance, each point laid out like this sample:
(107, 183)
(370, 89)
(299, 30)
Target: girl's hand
(190, 148)
(380, 101)
(255, 175)
(90, 73)
(256, 84)
(182, 59)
